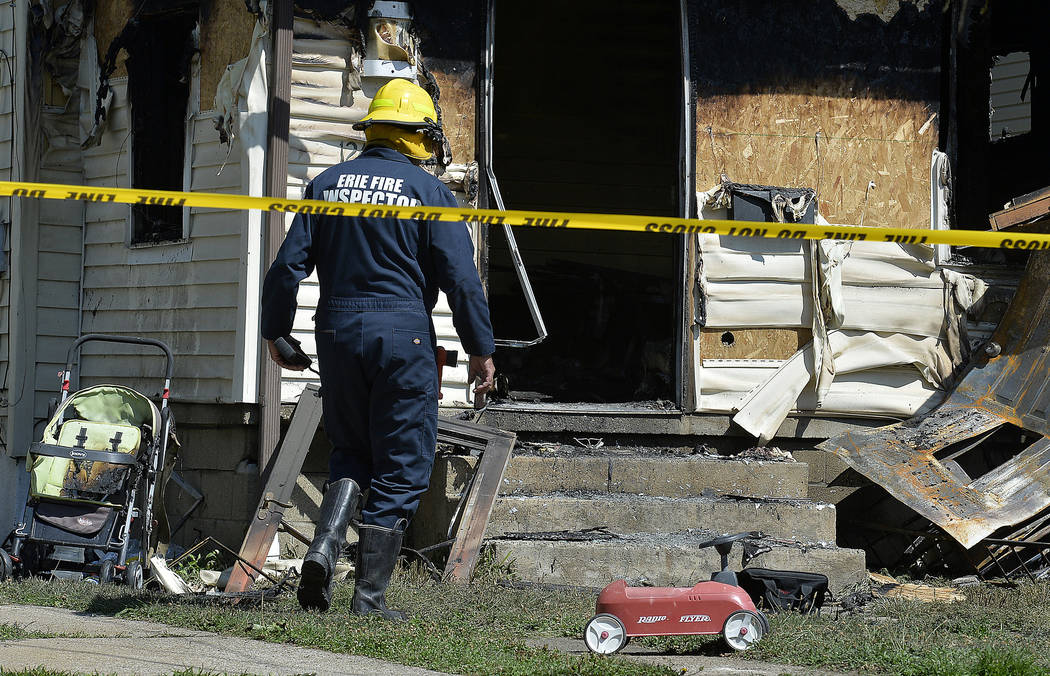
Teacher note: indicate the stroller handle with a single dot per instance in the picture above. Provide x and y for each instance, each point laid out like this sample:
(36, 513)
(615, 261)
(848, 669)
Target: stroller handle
(134, 340)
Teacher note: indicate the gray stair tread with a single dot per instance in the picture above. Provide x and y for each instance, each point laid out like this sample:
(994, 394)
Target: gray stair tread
(667, 559)
(787, 519)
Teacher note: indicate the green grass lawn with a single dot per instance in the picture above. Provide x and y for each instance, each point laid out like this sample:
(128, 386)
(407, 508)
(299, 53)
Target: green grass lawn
(484, 628)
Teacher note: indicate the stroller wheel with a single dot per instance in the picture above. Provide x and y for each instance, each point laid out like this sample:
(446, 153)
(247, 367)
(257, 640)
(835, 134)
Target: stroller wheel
(7, 566)
(133, 575)
(105, 572)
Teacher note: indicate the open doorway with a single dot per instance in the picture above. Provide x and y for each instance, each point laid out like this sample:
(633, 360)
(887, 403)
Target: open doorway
(587, 117)
(997, 62)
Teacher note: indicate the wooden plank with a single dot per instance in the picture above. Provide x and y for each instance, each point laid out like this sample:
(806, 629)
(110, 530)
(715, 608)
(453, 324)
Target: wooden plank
(188, 388)
(1022, 210)
(160, 274)
(196, 342)
(108, 168)
(62, 267)
(59, 237)
(208, 178)
(281, 472)
(477, 509)
(161, 298)
(749, 343)
(125, 320)
(56, 322)
(187, 366)
(58, 294)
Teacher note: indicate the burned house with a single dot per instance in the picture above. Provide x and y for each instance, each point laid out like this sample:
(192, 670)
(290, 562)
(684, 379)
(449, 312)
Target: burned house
(909, 114)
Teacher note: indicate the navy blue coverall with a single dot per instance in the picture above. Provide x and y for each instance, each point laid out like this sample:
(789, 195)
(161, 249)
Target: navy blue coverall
(379, 281)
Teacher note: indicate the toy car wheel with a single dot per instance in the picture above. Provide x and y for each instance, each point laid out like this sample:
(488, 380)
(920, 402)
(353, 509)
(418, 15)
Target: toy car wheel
(133, 575)
(605, 634)
(743, 629)
(105, 572)
(7, 566)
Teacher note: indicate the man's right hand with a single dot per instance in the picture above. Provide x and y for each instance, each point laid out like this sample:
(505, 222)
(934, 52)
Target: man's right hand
(275, 355)
(484, 370)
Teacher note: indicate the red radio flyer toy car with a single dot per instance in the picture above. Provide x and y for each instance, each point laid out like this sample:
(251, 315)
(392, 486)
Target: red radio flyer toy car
(715, 607)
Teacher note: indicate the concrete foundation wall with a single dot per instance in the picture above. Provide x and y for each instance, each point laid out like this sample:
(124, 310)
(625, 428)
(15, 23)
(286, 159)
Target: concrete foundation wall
(218, 457)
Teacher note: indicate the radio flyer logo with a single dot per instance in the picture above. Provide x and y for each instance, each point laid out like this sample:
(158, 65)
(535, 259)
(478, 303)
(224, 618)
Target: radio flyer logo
(695, 618)
(650, 619)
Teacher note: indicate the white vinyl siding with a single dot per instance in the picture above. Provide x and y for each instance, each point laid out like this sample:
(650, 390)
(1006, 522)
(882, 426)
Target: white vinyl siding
(59, 241)
(1010, 115)
(185, 294)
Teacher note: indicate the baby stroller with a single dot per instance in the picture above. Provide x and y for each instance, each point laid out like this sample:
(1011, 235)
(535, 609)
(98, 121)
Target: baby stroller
(96, 484)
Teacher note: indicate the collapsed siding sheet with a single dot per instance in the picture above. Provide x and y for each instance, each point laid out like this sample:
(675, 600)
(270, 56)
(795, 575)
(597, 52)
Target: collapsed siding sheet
(326, 101)
(186, 294)
(891, 289)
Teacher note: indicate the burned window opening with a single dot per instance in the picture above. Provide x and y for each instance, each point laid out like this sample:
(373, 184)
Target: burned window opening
(609, 300)
(160, 50)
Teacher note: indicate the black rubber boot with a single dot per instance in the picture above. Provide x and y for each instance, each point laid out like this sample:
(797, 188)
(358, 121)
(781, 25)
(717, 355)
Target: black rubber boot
(337, 507)
(376, 557)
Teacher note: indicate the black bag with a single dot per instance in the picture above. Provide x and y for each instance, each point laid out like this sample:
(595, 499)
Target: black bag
(778, 590)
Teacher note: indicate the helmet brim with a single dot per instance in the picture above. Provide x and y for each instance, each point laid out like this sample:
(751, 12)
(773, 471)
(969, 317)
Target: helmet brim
(395, 119)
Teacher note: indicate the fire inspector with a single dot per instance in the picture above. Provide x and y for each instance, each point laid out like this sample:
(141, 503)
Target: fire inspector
(379, 280)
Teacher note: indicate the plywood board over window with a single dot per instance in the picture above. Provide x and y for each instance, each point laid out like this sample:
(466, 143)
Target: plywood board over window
(831, 141)
(110, 18)
(226, 35)
(455, 80)
(823, 94)
(728, 343)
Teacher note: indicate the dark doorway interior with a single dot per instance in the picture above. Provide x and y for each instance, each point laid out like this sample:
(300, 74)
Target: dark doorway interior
(995, 161)
(587, 117)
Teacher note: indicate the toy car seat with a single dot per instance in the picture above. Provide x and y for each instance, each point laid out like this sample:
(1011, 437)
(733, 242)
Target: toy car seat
(724, 545)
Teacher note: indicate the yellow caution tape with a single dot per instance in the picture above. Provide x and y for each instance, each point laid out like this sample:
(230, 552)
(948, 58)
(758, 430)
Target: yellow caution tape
(531, 219)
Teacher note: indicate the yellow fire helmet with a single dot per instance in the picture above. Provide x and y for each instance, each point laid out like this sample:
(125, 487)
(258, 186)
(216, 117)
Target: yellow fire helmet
(402, 116)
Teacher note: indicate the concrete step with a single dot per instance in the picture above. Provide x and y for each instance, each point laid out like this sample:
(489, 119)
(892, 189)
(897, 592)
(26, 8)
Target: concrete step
(786, 519)
(666, 560)
(658, 475)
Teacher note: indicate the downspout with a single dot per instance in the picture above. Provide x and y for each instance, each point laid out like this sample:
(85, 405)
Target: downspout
(686, 251)
(23, 270)
(276, 186)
